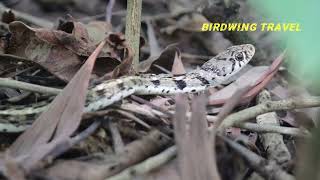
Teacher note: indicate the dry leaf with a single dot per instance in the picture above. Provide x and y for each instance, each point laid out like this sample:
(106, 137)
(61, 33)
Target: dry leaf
(196, 156)
(59, 51)
(56, 124)
(177, 67)
(248, 78)
(164, 59)
(260, 83)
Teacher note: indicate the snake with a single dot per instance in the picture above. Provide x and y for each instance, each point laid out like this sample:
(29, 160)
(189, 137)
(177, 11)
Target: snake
(212, 73)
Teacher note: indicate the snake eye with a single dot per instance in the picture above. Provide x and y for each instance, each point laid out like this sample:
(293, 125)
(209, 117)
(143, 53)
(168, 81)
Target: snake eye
(239, 56)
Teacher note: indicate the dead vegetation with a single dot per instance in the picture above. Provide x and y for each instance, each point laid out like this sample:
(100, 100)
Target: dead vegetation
(247, 129)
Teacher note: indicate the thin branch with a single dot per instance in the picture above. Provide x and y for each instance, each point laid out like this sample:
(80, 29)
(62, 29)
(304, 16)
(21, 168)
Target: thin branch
(290, 103)
(147, 165)
(5, 82)
(133, 117)
(116, 137)
(273, 143)
(27, 17)
(231, 104)
(109, 11)
(133, 22)
(274, 129)
(267, 169)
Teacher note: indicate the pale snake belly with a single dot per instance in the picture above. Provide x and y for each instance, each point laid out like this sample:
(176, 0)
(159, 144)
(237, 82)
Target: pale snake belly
(212, 73)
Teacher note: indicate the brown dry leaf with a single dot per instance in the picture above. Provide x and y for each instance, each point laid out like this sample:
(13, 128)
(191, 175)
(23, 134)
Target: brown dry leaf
(196, 156)
(8, 17)
(164, 59)
(162, 102)
(231, 104)
(246, 79)
(58, 51)
(261, 82)
(153, 43)
(58, 123)
(266, 78)
(306, 117)
(97, 30)
(167, 171)
(156, 55)
(12, 169)
(105, 166)
(126, 65)
(191, 23)
(177, 67)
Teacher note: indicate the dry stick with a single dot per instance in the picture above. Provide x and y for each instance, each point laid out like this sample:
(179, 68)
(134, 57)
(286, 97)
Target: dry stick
(133, 22)
(147, 165)
(158, 108)
(109, 11)
(133, 117)
(230, 104)
(116, 138)
(273, 143)
(5, 82)
(267, 169)
(28, 18)
(68, 143)
(274, 129)
(237, 118)
(155, 17)
(249, 126)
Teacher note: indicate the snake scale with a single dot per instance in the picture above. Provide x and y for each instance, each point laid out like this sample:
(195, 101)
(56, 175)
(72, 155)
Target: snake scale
(212, 73)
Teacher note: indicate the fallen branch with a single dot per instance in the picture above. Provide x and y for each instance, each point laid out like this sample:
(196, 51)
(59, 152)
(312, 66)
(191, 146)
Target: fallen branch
(27, 17)
(147, 165)
(265, 168)
(274, 129)
(273, 143)
(109, 11)
(237, 118)
(5, 82)
(133, 22)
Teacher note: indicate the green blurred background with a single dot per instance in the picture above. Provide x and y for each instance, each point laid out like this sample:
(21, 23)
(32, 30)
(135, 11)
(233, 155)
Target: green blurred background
(304, 61)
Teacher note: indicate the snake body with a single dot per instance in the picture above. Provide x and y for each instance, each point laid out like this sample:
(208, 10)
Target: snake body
(210, 74)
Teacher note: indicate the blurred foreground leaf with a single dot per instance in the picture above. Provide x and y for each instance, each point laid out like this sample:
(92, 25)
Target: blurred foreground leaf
(303, 45)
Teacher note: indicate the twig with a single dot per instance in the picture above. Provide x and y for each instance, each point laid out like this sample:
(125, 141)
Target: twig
(116, 137)
(103, 15)
(5, 82)
(136, 152)
(230, 104)
(272, 142)
(133, 22)
(147, 165)
(156, 17)
(158, 108)
(274, 129)
(290, 103)
(267, 169)
(68, 143)
(133, 117)
(27, 17)
(109, 11)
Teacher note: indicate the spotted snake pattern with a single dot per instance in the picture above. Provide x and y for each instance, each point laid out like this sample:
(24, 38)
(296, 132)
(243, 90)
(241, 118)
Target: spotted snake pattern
(212, 73)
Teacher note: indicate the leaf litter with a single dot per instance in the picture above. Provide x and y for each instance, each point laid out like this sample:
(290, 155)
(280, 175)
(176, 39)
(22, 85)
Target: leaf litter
(62, 52)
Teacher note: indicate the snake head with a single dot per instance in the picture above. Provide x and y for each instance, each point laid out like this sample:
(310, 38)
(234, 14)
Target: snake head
(227, 63)
(241, 53)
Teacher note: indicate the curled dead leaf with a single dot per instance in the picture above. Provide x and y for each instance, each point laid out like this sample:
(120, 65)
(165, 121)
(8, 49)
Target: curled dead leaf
(60, 51)
(162, 59)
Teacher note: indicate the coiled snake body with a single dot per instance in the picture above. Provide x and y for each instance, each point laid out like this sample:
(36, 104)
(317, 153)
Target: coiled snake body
(210, 74)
